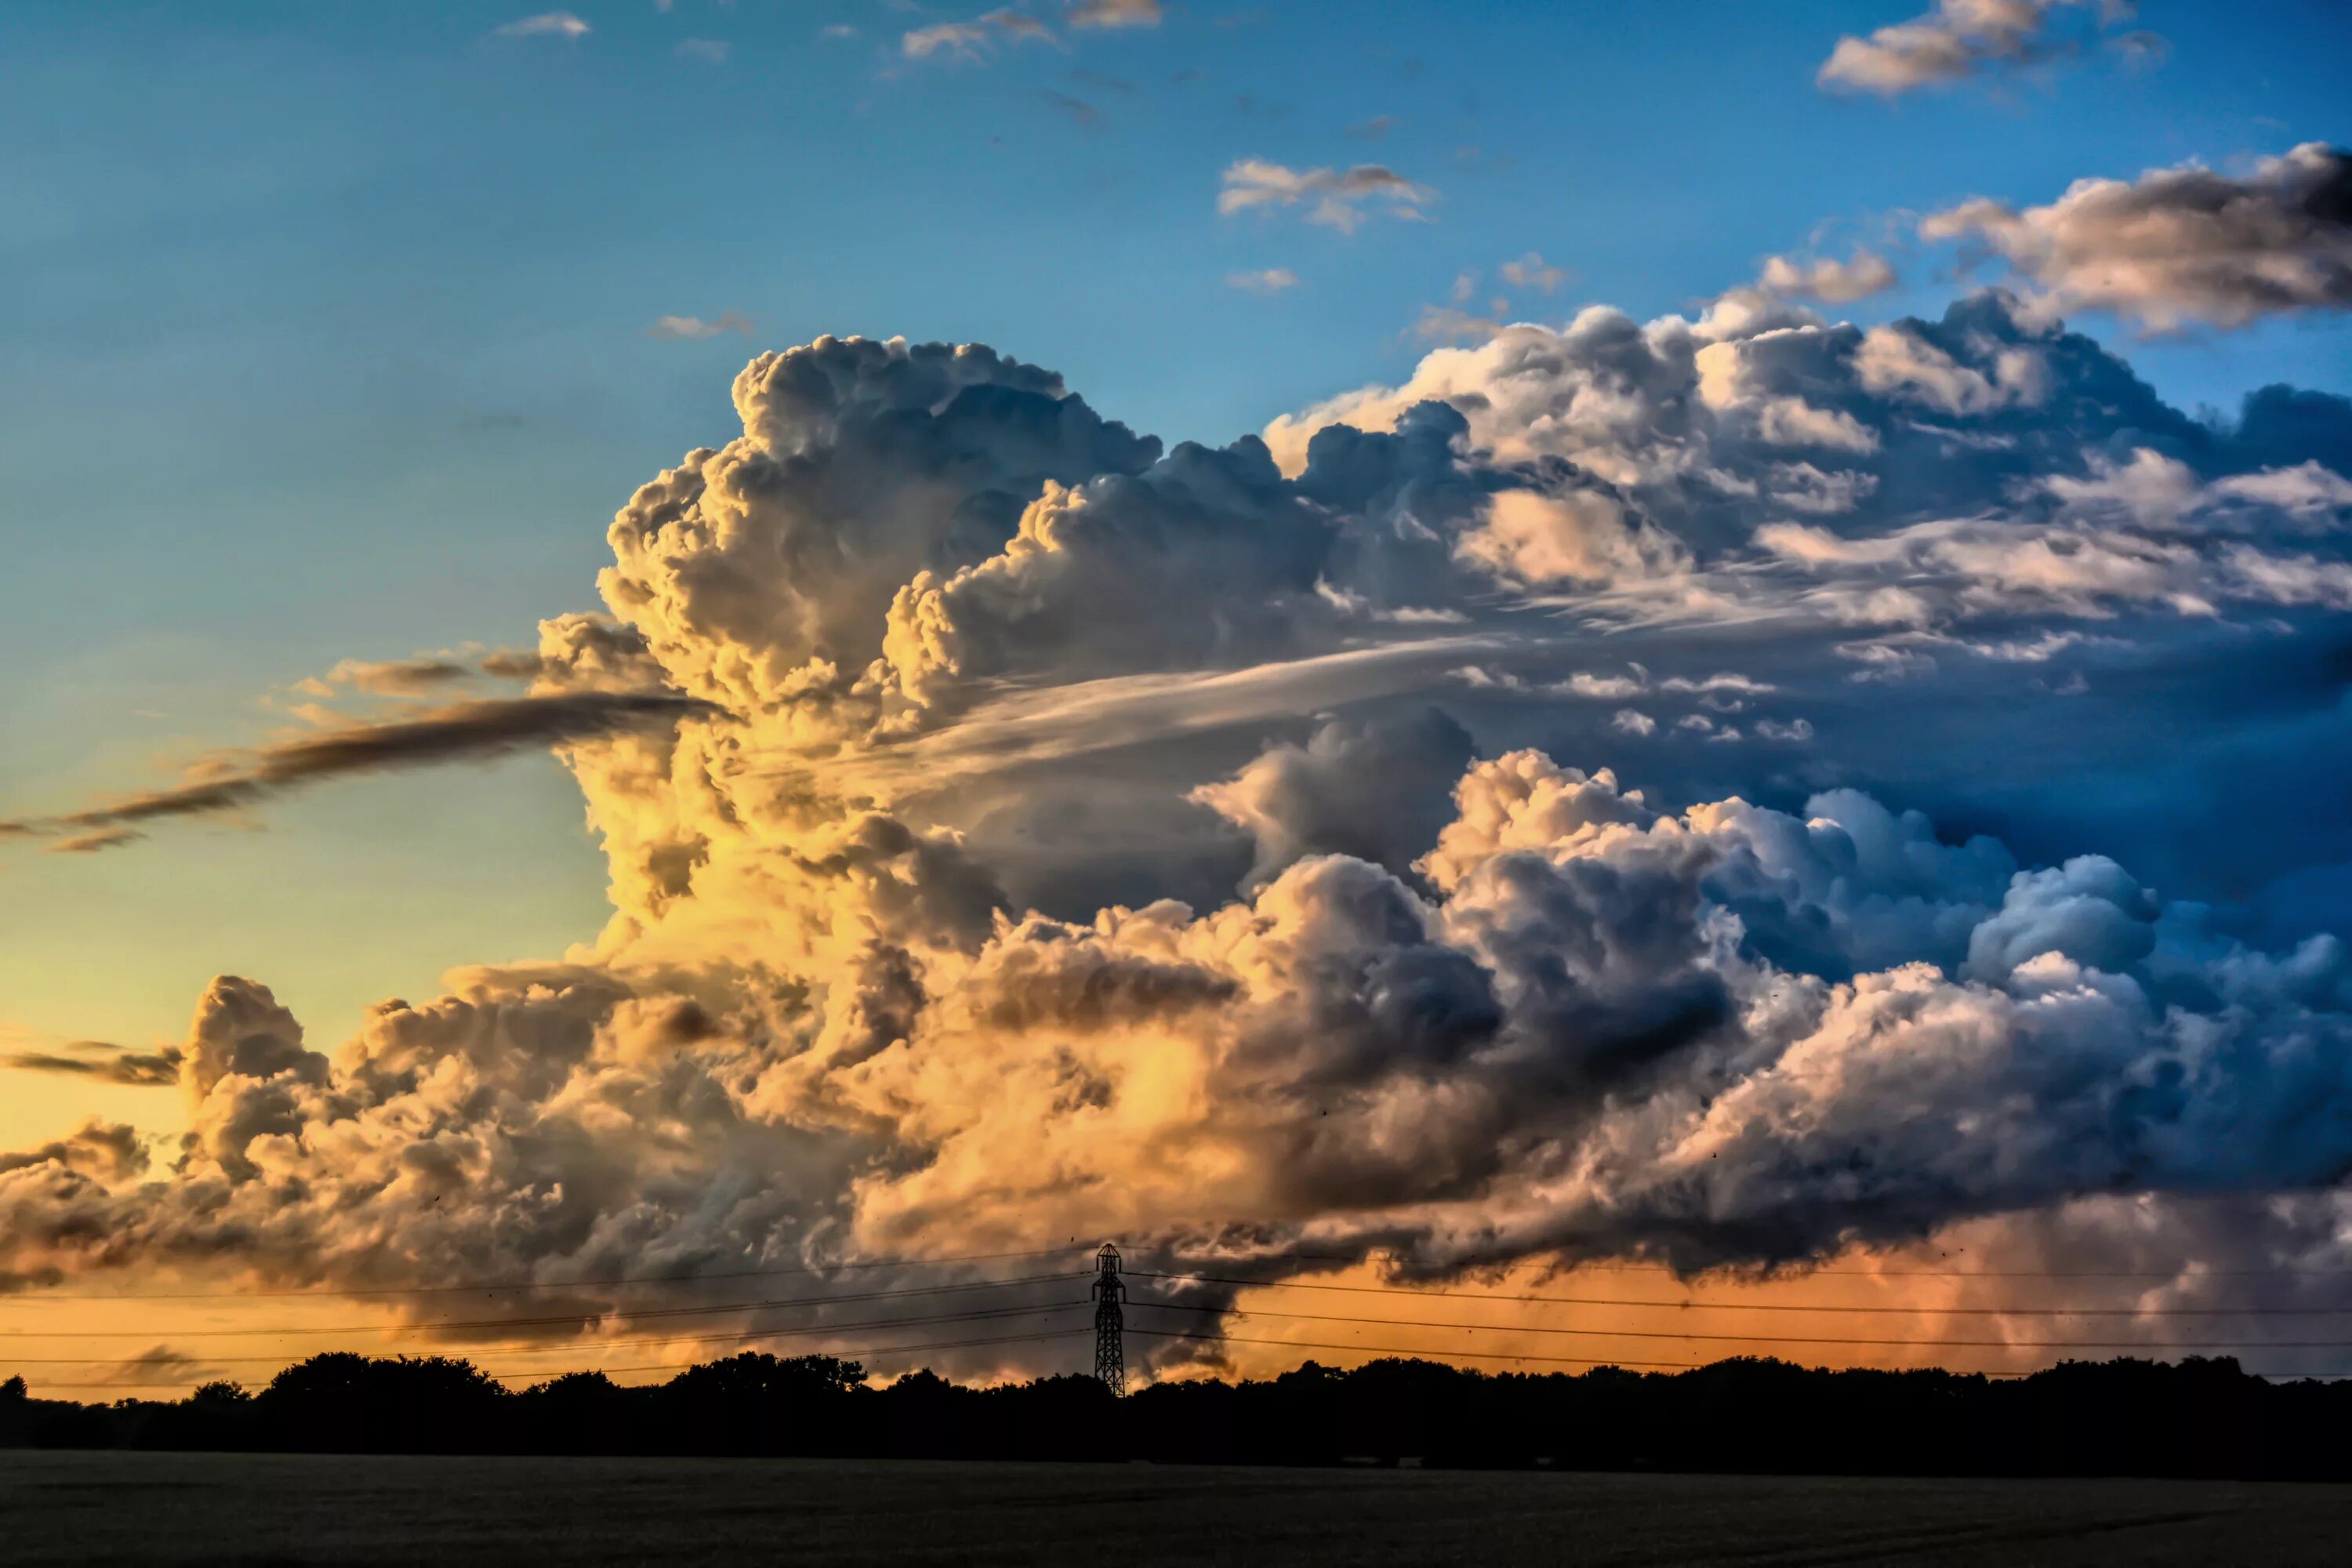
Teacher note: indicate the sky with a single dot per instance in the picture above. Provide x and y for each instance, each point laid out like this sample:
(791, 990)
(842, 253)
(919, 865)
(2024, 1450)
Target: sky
(1731, 608)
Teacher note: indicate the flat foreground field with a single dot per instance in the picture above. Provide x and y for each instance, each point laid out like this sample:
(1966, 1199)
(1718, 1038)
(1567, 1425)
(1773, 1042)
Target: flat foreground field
(278, 1508)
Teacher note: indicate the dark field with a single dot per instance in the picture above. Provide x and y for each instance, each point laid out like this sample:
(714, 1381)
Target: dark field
(274, 1509)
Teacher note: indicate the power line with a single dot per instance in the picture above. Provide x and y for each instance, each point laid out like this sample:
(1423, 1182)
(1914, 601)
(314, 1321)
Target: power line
(567, 1319)
(330, 1291)
(1390, 1350)
(2279, 1271)
(1765, 1306)
(1585, 1361)
(1768, 1339)
(573, 1346)
(34, 1298)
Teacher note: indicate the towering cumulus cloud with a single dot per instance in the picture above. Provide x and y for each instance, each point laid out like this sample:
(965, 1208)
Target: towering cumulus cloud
(1491, 818)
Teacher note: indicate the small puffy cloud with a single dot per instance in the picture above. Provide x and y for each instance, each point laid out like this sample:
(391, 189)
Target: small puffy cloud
(972, 40)
(2139, 49)
(1270, 280)
(710, 51)
(1532, 272)
(1832, 281)
(1338, 198)
(1959, 39)
(685, 328)
(1452, 324)
(1114, 13)
(1633, 721)
(2185, 245)
(546, 24)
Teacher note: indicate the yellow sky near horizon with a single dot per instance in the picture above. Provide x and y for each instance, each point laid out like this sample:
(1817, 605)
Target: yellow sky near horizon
(87, 1347)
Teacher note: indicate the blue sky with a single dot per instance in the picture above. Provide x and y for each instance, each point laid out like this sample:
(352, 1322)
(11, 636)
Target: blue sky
(327, 331)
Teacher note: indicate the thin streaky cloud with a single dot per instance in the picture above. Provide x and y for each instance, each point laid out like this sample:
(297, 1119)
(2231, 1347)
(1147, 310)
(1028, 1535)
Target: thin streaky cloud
(458, 732)
(691, 327)
(546, 24)
(1078, 110)
(1268, 280)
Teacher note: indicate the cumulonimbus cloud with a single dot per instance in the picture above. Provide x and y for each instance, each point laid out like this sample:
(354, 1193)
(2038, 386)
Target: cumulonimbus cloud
(1079, 852)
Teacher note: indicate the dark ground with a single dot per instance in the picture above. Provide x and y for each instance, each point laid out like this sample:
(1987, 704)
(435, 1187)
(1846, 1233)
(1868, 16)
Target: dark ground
(278, 1508)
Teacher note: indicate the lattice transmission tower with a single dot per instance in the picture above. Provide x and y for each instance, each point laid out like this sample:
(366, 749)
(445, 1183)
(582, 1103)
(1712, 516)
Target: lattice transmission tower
(1110, 1348)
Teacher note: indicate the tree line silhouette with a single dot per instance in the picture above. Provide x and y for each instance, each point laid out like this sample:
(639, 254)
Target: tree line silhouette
(2197, 1417)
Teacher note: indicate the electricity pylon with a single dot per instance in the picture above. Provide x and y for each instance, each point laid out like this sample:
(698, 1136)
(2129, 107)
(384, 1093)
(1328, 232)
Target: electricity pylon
(1111, 1349)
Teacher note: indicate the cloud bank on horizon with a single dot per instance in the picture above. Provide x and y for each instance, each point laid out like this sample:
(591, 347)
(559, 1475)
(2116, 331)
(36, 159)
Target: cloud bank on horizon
(1766, 786)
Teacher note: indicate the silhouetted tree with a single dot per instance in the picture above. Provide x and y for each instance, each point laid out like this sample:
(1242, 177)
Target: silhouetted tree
(2198, 1417)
